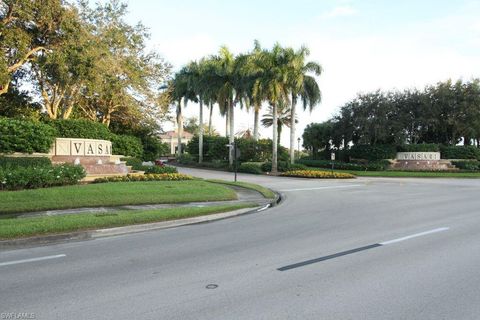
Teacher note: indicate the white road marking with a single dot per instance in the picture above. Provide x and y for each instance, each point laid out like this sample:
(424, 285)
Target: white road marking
(321, 188)
(414, 236)
(8, 263)
(263, 208)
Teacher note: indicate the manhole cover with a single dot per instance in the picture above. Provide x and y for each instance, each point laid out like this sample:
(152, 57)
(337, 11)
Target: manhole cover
(212, 286)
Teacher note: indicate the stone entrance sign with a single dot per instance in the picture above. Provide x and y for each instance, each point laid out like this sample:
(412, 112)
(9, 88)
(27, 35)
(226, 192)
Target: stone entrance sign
(81, 147)
(419, 156)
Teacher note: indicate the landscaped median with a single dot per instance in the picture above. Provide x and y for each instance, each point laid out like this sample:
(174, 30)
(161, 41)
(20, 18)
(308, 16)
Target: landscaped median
(318, 174)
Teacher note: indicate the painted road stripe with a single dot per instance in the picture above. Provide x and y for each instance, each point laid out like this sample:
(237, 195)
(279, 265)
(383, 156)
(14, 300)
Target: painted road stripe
(351, 251)
(416, 235)
(8, 263)
(321, 188)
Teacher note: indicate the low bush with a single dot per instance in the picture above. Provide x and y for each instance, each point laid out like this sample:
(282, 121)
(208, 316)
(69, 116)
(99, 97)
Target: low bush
(281, 166)
(467, 165)
(185, 159)
(80, 128)
(14, 162)
(248, 167)
(159, 170)
(25, 136)
(135, 163)
(370, 166)
(460, 152)
(318, 174)
(145, 177)
(372, 152)
(422, 147)
(127, 146)
(40, 177)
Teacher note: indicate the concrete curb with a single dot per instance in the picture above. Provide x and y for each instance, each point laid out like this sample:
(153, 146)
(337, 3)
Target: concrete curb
(100, 233)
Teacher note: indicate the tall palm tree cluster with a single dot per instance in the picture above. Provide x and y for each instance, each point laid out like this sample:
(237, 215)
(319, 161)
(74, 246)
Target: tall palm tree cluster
(279, 78)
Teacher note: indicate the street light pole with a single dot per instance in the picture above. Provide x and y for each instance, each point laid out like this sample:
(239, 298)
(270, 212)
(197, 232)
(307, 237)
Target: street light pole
(298, 148)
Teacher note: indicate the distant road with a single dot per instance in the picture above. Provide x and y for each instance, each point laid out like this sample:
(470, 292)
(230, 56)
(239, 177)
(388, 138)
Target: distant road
(369, 248)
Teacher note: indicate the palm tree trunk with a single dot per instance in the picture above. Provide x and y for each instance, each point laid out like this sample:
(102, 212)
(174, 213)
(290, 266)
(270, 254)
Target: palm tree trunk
(180, 127)
(256, 120)
(232, 132)
(292, 132)
(274, 138)
(210, 120)
(200, 133)
(227, 123)
(279, 130)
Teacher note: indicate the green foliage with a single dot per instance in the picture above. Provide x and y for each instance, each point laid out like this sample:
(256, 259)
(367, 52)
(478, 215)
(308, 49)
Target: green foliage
(127, 145)
(159, 169)
(135, 163)
(247, 167)
(40, 177)
(153, 148)
(80, 128)
(460, 152)
(467, 165)
(316, 138)
(422, 147)
(185, 159)
(14, 162)
(372, 166)
(282, 166)
(372, 152)
(146, 177)
(25, 136)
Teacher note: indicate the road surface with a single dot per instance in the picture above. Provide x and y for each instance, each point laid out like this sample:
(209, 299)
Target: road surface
(369, 248)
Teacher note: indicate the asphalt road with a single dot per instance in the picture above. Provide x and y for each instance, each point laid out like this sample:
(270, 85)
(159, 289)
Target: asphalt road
(418, 258)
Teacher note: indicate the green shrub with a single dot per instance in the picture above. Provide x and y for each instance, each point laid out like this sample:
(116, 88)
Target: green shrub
(460, 152)
(422, 147)
(371, 166)
(185, 159)
(250, 168)
(372, 152)
(153, 148)
(127, 146)
(135, 163)
(467, 165)
(25, 136)
(158, 169)
(13, 162)
(145, 177)
(40, 177)
(80, 128)
(281, 166)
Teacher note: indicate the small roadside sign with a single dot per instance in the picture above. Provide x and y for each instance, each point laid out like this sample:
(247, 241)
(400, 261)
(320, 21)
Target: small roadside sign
(332, 156)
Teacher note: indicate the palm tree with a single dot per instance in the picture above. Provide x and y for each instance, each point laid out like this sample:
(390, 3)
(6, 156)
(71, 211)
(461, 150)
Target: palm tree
(272, 85)
(181, 92)
(303, 86)
(284, 118)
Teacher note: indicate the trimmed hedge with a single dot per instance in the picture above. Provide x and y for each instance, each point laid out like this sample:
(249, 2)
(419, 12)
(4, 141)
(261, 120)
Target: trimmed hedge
(372, 152)
(40, 177)
(372, 166)
(135, 163)
(14, 162)
(467, 165)
(80, 128)
(247, 167)
(146, 177)
(25, 136)
(422, 147)
(315, 174)
(460, 152)
(158, 169)
(127, 145)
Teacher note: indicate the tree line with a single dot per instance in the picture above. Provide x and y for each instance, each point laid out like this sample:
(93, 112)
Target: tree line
(279, 77)
(62, 60)
(446, 113)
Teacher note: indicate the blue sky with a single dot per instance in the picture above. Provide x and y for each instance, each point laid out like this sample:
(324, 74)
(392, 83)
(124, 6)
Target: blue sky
(362, 45)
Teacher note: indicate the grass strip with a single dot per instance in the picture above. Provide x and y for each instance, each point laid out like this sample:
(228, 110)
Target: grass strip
(409, 174)
(113, 194)
(267, 193)
(28, 227)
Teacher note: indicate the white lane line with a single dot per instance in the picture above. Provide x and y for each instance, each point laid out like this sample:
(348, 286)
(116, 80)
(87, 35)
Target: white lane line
(8, 263)
(421, 234)
(321, 188)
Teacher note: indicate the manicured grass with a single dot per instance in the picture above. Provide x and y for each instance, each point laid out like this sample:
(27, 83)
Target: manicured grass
(411, 174)
(112, 194)
(267, 193)
(27, 227)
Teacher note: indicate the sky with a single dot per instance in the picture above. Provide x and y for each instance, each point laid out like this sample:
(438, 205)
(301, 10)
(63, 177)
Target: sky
(362, 45)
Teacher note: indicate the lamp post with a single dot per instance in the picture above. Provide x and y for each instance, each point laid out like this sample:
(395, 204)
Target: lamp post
(298, 148)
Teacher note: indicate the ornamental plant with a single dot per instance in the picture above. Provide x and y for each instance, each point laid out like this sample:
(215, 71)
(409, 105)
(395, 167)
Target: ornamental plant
(318, 174)
(146, 177)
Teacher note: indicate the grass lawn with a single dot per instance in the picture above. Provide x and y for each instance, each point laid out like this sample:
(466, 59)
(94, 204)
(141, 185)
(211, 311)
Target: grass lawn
(411, 174)
(267, 193)
(27, 227)
(112, 194)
